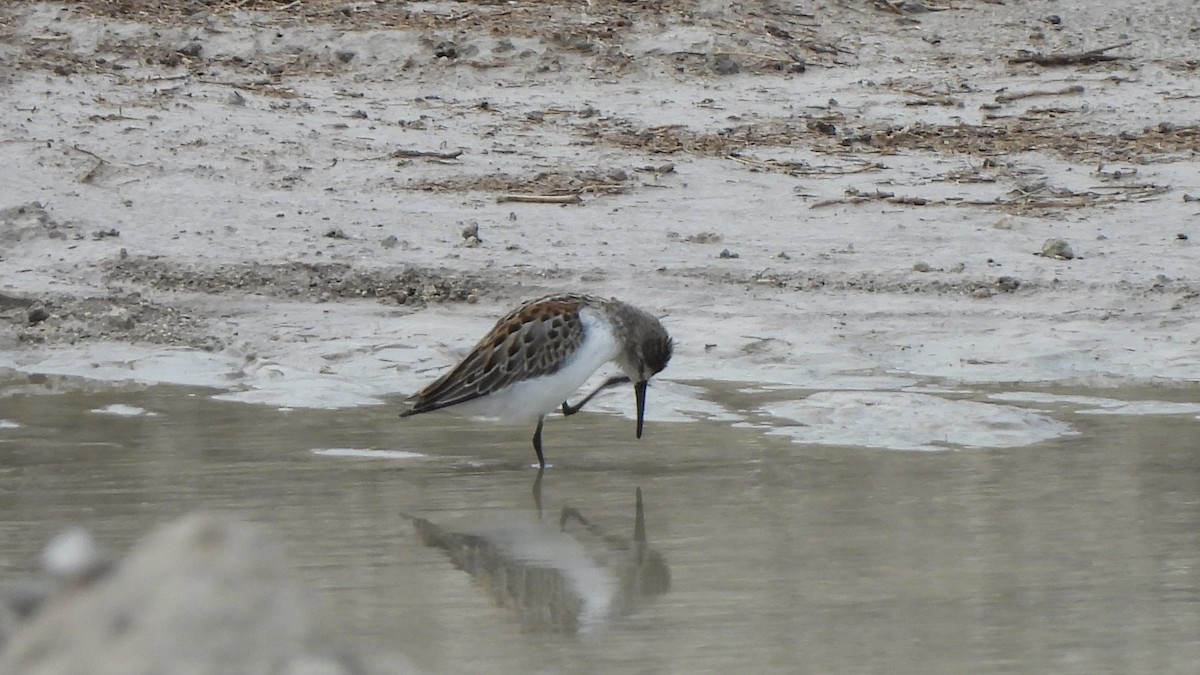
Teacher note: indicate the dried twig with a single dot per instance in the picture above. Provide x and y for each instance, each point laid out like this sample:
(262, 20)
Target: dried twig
(933, 99)
(604, 188)
(902, 6)
(853, 196)
(541, 199)
(1070, 58)
(409, 154)
(91, 173)
(1016, 96)
(802, 168)
(751, 55)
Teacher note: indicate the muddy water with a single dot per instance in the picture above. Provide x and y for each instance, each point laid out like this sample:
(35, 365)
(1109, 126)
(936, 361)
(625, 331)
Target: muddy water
(1080, 555)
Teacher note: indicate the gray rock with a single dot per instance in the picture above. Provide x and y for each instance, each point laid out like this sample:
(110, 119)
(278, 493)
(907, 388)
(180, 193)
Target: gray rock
(724, 64)
(1008, 284)
(205, 595)
(1057, 248)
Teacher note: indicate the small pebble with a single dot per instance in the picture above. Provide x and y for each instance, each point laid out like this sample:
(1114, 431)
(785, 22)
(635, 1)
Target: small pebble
(74, 556)
(1056, 248)
(724, 64)
(1008, 284)
(191, 49)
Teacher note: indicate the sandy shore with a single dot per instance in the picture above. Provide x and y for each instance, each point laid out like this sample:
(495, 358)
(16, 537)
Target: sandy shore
(307, 204)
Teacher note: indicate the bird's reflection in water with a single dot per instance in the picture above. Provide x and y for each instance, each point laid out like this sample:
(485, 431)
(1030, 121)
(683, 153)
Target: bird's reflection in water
(563, 577)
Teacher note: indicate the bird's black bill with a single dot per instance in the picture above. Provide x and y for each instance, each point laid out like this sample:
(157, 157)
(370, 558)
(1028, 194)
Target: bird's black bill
(639, 389)
(568, 409)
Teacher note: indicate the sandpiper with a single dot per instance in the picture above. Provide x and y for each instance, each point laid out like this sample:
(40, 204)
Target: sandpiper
(534, 358)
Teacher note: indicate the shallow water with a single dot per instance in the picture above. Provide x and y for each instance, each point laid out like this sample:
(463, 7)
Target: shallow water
(1077, 555)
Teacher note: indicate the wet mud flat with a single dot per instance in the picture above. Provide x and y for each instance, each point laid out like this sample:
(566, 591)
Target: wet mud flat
(177, 167)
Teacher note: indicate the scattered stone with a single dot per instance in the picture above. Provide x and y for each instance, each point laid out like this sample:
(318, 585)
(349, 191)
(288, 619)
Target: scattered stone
(390, 241)
(823, 127)
(726, 253)
(1056, 248)
(1181, 237)
(445, 49)
(1005, 223)
(470, 234)
(64, 69)
(104, 234)
(703, 238)
(921, 266)
(958, 267)
(191, 49)
(38, 315)
(337, 233)
(344, 55)
(724, 64)
(1008, 284)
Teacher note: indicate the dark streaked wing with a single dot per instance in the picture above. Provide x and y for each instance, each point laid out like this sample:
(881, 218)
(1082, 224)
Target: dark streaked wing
(530, 341)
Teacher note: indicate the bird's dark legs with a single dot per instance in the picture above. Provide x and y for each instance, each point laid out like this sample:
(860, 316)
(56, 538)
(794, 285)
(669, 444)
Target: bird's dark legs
(568, 409)
(537, 445)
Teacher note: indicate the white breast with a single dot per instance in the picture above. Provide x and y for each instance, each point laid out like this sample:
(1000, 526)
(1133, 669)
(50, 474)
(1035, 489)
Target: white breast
(528, 400)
